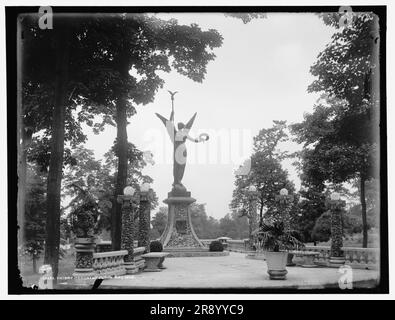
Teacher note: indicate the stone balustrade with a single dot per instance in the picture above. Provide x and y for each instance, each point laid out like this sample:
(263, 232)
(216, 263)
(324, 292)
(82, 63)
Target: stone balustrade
(109, 263)
(362, 258)
(139, 262)
(238, 245)
(359, 258)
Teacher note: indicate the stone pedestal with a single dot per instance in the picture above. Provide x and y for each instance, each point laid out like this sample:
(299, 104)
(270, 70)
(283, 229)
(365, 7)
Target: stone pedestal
(83, 272)
(277, 274)
(179, 238)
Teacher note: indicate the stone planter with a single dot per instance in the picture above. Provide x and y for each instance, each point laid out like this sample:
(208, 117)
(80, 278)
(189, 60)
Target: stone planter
(276, 264)
(154, 261)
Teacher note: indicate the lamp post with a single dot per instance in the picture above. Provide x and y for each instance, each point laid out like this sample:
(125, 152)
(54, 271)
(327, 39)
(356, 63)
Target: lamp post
(336, 205)
(129, 201)
(145, 215)
(252, 195)
(284, 199)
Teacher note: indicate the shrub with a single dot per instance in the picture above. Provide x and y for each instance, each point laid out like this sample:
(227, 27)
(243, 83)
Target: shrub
(216, 246)
(155, 246)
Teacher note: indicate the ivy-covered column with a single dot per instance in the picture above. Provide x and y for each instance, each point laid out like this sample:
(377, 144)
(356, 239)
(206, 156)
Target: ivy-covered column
(252, 195)
(336, 206)
(145, 216)
(129, 201)
(284, 199)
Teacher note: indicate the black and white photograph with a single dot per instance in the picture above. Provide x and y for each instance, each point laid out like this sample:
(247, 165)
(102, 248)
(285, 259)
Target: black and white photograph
(197, 149)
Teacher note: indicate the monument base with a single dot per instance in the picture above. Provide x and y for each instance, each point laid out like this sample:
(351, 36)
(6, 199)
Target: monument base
(179, 238)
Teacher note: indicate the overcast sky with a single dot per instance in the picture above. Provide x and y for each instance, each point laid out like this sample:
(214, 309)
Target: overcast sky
(260, 74)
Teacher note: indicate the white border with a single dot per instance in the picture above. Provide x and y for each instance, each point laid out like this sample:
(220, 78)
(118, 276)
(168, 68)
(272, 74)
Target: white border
(3, 156)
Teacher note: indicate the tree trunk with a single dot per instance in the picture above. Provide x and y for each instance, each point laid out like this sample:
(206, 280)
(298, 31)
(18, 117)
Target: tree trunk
(34, 259)
(364, 218)
(22, 180)
(261, 211)
(122, 148)
(57, 148)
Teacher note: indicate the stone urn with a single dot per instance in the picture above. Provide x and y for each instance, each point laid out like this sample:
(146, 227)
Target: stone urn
(276, 264)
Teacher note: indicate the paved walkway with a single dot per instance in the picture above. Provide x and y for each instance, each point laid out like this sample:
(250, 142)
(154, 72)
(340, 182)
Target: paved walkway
(233, 271)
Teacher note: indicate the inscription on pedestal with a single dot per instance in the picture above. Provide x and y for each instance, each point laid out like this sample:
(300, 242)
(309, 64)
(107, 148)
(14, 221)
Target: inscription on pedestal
(181, 226)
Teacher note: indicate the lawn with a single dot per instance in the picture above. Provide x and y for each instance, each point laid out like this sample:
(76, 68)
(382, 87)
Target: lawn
(29, 278)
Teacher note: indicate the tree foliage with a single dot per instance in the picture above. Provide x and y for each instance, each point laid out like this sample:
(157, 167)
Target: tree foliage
(266, 173)
(341, 136)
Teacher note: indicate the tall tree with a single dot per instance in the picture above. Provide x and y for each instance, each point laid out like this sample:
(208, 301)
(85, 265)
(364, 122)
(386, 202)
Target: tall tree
(34, 222)
(310, 207)
(50, 73)
(266, 173)
(342, 133)
(57, 147)
(144, 44)
(159, 220)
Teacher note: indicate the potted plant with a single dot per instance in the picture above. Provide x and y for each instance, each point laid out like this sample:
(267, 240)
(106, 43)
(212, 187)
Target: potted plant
(275, 240)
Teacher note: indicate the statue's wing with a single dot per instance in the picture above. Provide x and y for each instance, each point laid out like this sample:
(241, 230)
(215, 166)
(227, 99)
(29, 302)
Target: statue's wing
(190, 122)
(162, 118)
(169, 126)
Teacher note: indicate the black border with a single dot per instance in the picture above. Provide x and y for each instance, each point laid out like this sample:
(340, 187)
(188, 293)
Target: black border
(14, 281)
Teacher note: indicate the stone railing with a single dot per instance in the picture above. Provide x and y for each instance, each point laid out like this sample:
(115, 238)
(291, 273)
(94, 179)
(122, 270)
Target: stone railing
(103, 252)
(109, 263)
(362, 258)
(238, 245)
(359, 258)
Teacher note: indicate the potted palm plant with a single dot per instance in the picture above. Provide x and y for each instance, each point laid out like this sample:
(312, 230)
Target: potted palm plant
(275, 240)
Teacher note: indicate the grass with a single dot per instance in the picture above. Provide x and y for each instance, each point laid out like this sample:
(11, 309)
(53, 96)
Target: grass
(29, 278)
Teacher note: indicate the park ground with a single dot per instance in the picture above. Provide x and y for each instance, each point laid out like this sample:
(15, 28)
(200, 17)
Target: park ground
(232, 271)
(66, 263)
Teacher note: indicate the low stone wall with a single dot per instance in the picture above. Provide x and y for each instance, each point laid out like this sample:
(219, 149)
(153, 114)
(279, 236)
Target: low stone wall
(238, 245)
(110, 263)
(359, 258)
